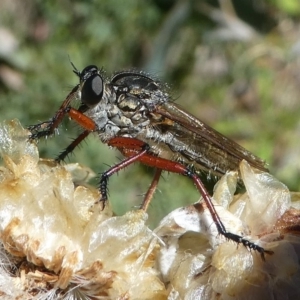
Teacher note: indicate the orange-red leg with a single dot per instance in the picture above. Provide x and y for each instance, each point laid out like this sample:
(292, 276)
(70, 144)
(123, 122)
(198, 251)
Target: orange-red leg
(149, 195)
(83, 120)
(137, 150)
(49, 127)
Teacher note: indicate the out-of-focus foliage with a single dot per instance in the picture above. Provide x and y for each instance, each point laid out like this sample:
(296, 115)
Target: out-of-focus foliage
(234, 64)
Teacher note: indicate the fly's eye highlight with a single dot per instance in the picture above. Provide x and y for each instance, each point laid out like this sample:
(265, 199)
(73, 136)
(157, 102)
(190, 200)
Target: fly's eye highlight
(92, 86)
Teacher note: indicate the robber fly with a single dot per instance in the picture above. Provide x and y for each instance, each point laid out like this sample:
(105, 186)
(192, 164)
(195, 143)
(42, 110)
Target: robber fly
(135, 114)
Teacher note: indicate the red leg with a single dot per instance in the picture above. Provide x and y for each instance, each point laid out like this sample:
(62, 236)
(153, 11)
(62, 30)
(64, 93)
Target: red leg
(83, 120)
(49, 127)
(151, 190)
(76, 115)
(130, 147)
(123, 164)
(136, 149)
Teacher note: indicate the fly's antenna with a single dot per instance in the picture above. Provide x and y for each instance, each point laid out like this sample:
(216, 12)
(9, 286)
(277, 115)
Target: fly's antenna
(75, 70)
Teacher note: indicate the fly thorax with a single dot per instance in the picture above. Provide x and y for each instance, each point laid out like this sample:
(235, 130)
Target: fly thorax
(134, 109)
(154, 98)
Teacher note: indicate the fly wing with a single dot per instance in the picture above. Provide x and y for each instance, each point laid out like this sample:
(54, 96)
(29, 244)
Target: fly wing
(201, 145)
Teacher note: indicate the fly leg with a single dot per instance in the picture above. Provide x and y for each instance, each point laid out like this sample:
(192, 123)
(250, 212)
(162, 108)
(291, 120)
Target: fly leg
(48, 128)
(149, 195)
(72, 146)
(136, 150)
(219, 224)
(84, 121)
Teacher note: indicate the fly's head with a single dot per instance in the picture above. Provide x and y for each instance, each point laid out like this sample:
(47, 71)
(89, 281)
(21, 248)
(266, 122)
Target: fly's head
(92, 92)
(91, 85)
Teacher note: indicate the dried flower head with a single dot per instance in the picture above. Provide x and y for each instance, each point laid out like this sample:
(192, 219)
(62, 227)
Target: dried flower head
(200, 264)
(57, 243)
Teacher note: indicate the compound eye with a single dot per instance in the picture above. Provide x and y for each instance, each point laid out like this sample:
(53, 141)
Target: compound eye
(88, 72)
(92, 90)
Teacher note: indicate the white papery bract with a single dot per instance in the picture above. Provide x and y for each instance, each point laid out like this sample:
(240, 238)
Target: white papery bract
(57, 243)
(63, 243)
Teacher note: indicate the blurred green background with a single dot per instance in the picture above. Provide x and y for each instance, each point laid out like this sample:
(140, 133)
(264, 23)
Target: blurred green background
(233, 64)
